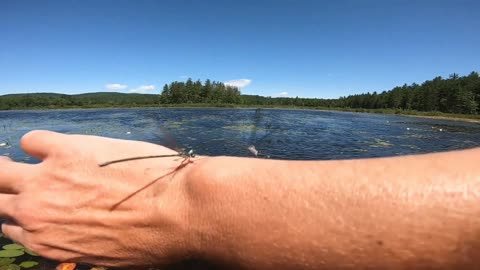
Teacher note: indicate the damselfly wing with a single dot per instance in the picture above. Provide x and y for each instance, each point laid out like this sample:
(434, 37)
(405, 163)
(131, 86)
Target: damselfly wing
(262, 130)
(187, 155)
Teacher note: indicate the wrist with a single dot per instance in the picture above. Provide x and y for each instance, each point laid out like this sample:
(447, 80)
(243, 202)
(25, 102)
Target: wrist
(227, 199)
(209, 188)
(172, 214)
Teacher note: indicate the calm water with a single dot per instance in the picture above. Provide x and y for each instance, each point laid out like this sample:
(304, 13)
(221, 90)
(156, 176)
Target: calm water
(283, 134)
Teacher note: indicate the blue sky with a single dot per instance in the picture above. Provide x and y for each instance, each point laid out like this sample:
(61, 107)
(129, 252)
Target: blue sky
(294, 48)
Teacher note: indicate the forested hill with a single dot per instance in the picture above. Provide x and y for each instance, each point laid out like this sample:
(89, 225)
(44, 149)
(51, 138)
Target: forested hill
(89, 100)
(455, 94)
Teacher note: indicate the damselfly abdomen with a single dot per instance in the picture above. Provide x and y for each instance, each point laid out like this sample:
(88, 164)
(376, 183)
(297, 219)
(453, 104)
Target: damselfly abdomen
(186, 155)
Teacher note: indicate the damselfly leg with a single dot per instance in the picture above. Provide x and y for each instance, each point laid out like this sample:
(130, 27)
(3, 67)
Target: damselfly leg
(187, 156)
(187, 159)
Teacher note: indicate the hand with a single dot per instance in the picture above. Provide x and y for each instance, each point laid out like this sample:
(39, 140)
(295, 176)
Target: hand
(68, 208)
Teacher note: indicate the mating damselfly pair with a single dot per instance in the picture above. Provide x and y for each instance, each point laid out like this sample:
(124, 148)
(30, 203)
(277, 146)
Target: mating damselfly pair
(255, 130)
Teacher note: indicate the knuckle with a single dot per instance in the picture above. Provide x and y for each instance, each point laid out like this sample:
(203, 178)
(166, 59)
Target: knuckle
(21, 217)
(24, 214)
(6, 231)
(16, 208)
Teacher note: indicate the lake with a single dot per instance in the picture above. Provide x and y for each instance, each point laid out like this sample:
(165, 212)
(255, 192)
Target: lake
(276, 133)
(282, 134)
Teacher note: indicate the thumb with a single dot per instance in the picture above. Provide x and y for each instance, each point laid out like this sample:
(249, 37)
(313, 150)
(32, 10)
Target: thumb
(41, 143)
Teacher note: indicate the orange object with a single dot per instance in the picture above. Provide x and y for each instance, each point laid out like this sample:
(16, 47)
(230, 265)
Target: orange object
(66, 266)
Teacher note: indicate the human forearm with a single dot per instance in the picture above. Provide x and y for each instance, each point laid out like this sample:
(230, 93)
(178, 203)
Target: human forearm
(408, 212)
(403, 212)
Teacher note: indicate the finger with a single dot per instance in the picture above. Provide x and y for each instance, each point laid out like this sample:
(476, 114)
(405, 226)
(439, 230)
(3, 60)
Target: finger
(6, 206)
(13, 231)
(39, 143)
(12, 175)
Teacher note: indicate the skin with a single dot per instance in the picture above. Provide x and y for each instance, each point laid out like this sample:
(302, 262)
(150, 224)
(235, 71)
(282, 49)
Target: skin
(412, 212)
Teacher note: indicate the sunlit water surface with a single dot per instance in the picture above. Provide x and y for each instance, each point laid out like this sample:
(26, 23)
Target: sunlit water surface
(282, 134)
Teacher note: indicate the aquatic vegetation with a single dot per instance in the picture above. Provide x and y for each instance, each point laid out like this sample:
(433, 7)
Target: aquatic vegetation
(177, 124)
(208, 118)
(410, 146)
(29, 252)
(174, 125)
(13, 246)
(28, 264)
(381, 143)
(242, 128)
(10, 253)
(6, 261)
(10, 267)
(415, 136)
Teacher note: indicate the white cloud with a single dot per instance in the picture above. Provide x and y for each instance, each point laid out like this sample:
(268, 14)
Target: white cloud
(143, 89)
(241, 83)
(184, 77)
(283, 94)
(116, 86)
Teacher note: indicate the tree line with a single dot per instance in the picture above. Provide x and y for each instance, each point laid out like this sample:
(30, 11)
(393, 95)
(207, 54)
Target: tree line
(90, 100)
(189, 92)
(455, 94)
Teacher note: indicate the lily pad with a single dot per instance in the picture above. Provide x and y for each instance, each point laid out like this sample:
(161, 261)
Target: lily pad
(13, 246)
(9, 253)
(28, 264)
(6, 261)
(10, 267)
(28, 251)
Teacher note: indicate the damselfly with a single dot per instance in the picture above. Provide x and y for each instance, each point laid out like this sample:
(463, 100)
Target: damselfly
(260, 127)
(184, 154)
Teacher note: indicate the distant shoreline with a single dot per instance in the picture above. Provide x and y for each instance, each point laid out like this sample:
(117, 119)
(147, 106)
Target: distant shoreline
(417, 114)
(471, 120)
